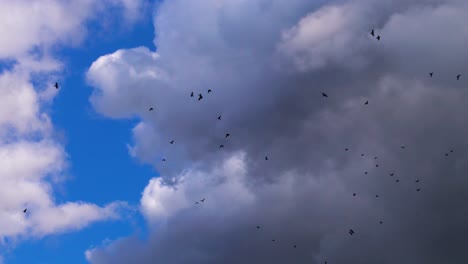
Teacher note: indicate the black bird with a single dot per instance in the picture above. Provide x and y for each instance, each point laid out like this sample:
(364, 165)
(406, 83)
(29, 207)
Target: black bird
(381, 222)
(209, 90)
(391, 174)
(419, 189)
(151, 109)
(24, 211)
(191, 95)
(397, 180)
(56, 85)
(354, 194)
(172, 142)
(163, 159)
(377, 196)
(377, 165)
(273, 240)
(365, 172)
(202, 200)
(362, 155)
(458, 76)
(378, 37)
(200, 97)
(266, 158)
(446, 154)
(219, 117)
(417, 180)
(351, 232)
(376, 157)
(430, 74)
(324, 95)
(346, 149)
(221, 146)
(227, 135)
(196, 202)
(372, 33)
(295, 246)
(451, 150)
(366, 103)
(258, 227)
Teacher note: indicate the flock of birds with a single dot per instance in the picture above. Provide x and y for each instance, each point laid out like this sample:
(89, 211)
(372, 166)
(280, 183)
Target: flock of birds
(200, 97)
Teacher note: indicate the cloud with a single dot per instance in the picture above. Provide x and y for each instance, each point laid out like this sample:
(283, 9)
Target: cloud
(267, 63)
(32, 161)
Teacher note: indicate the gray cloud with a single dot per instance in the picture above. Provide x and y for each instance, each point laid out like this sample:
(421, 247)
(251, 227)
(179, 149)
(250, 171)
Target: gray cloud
(267, 63)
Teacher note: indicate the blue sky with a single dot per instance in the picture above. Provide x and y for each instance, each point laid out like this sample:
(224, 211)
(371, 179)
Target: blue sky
(101, 169)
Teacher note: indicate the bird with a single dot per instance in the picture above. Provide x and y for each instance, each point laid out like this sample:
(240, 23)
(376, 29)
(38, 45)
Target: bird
(200, 97)
(362, 155)
(376, 157)
(209, 90)
(354, 194)
(458, 77)
(381, 222)
(419, 189)
(351, 232)
(377, 165)
(451, 150)
(227, 135)
(191, 95)
(391, 174)
(151, 109)
(24, 211)
(402, 147)
(273, 240)
(196, 202)
(397, 180)
(202, 200)
(266, 158)
(221, 146)
(376, 196)
(172, 142)
(417, 180)
(258, 227)
(378, 37)
(446, 154)
(365, 172)
(324, 94)
(219, 117)
(431, 73)
(366, 103)
(295, 246)
(372, 33)
(56, 85)
(163, 159)
(346, 149)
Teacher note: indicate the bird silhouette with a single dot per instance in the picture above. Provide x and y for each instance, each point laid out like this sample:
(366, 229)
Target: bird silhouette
(391, 174)
(258, 227)
(56, 85)
(266, 158)
(25, 210)
(446, 154)
(372, 33)
(377, 196)
(362, 155)
(431, 73)
(451, 150)
(172, 142)
(191, 95)
(378, 37)
(346, 149)
(202, 200)
(458, 77)
(295, 246)
(351, 232)
(196, 203)
(219, 117)
(354, 194)
(419, 189)
(209, 90)
(377, 165)
(402, 147)
(376, 158)
(366, 103)
(273, 240)
(151, 109)
(417, 180)
(221, 146)
(200, 97)
(365, 172)
(324, 95)
(380, 222)
(163, 159)
(397, 180)
(227, 135)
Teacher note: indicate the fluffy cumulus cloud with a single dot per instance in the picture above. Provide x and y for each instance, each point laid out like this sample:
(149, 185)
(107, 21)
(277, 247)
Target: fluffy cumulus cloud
(32, 160)
(267, 63)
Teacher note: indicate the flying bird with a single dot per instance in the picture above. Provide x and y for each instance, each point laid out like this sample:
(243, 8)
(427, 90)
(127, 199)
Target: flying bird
(377, 165)
(273, 240)
(378, 37)
(397, 180)
(372, 33)
(324, 95)
(163, 159)
(376, 157)
(200, 97)
(458, 77)
(391, 174)
(56, 85)
(209, 90)
(451, 150)
(295, 246)
(191, 95)
(351, 232)
(377, 196)
(151, 109)
(419, 189)
(417, 180)
(381, 222)
(24, 211)
(221, 146)
(227, 135)
(196, 202)
(366, 103)
(346, 149)
(402, 147)
(258, 227)
(202, 200)
(365, 172)
(431, 73)
(172, 142)
(219, 117)
(354, 194)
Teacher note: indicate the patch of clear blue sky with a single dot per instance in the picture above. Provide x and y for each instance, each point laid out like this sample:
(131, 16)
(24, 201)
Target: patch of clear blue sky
(102, 170)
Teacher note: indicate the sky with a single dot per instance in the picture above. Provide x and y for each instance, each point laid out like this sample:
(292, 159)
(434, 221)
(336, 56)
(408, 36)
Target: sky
(86, 159)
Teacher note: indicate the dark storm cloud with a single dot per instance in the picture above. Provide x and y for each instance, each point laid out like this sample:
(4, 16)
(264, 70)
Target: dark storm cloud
(267, 63)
